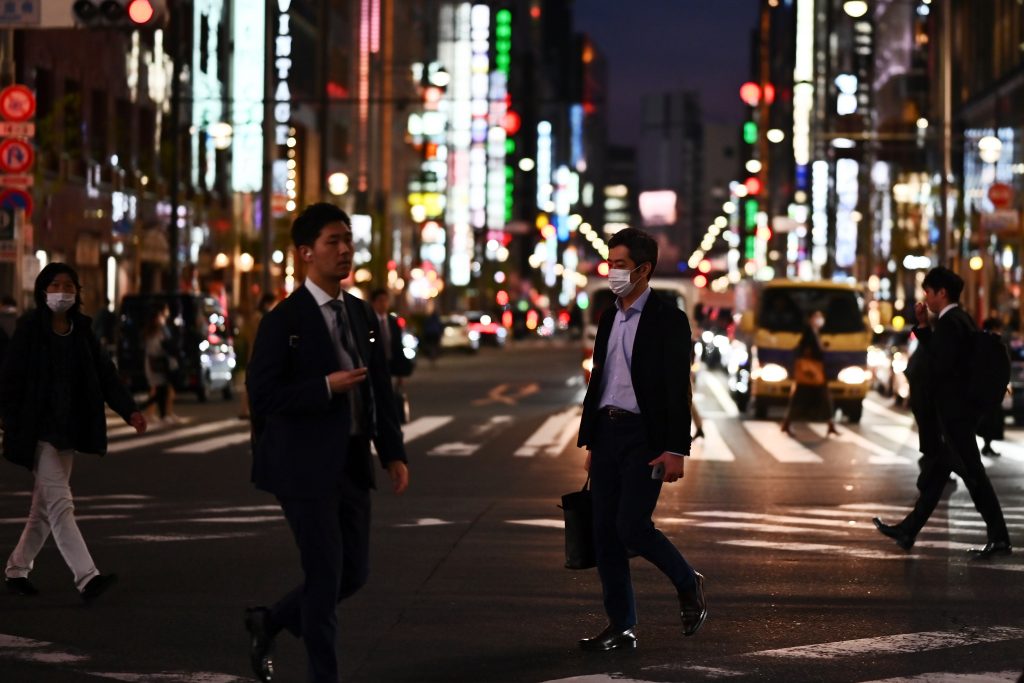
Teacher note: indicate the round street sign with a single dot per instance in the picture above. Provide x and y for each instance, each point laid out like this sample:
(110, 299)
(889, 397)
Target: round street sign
(16, 156)
(1001, 195)
(17, 103)
(16, 199)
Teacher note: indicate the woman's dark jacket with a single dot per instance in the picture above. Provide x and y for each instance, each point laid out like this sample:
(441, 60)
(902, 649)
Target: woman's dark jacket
(25, 380)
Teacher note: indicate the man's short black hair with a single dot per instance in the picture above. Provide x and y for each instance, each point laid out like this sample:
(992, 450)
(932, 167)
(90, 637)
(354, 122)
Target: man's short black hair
(380, 291)
(939, 278)
(642, 247)
(312, 220)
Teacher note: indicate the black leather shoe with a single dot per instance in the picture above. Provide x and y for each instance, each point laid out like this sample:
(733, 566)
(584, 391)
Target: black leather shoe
(693, 607)
(610, 639)
(20, 586)
(97, 586)
(261, 643)
(902, 538)
(991, 549)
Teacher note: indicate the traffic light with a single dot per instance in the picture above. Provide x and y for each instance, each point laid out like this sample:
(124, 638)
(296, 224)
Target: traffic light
(131, 14)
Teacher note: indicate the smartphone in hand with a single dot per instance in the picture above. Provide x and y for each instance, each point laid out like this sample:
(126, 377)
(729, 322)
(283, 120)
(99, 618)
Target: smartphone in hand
(658, 471)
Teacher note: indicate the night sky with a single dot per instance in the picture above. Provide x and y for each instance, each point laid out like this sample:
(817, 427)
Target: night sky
(657, 45)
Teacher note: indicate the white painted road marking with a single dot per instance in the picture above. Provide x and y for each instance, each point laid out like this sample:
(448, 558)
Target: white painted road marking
(900, 643)
(783, 448)
(552, 436)
(712, 446)
(879, 455)
(214, 444)
(714, 383)
(423, 426)
(821, 548)
(198, 430)
(948, 677)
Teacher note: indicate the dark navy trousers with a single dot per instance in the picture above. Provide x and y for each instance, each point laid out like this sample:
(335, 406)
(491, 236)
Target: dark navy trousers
(333, 537)
(624, 498)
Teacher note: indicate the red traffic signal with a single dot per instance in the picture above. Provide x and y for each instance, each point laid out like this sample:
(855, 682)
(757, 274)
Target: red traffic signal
(753, 185)
(120, 13)
(750, 93)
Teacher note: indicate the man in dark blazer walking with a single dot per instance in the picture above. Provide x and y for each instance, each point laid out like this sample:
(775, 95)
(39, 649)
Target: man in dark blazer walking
(636, 429)
(320, 392)
(947, 347)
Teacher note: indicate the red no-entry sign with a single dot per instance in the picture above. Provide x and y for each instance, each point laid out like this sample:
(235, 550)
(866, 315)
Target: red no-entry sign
(17, 103)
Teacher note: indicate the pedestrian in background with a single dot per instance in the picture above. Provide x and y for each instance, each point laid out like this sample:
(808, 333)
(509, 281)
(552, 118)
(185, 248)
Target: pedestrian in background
(53, 386)
(948, 347)
(157, 364)
(104, 326)
(320, 393)
(809, 399)
(992, 425)
(249, 331)
(430, 336)
(636, 429)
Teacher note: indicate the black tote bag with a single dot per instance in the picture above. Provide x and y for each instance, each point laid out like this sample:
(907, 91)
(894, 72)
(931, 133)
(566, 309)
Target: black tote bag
(578, 510)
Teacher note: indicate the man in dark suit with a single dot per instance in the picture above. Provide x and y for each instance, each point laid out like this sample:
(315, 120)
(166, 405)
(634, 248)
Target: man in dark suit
(320, 392)
(636, 429)
(947, 348)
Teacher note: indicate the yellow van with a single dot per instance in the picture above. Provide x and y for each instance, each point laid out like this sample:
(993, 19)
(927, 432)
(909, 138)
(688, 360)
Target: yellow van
(761, 361)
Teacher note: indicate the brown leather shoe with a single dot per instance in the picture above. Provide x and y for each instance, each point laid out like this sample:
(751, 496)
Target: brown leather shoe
(693, 607)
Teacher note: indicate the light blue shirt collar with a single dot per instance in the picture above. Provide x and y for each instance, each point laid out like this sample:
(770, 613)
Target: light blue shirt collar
(637, 305)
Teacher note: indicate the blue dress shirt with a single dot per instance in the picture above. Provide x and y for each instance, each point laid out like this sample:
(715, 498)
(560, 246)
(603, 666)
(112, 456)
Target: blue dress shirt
(616, 381)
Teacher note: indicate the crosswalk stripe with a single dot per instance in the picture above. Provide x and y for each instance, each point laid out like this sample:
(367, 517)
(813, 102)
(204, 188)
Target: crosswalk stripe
(783, 448)
(880, 455)
(872, 406)
(820, 548)
(552, 436)
(213, 444)
(903, 436)
(950, 677)
(423, 426)
(714, 384)
(771, 528)
(712, 446)
(781, 519)
(144, 441)
(900, 643)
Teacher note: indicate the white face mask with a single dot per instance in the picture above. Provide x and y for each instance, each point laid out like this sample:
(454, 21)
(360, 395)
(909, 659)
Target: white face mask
(619, 283)
(59, 302)
(817, 323)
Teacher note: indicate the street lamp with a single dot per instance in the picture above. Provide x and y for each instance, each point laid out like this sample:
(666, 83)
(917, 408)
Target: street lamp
(855, 8)
(990, 148)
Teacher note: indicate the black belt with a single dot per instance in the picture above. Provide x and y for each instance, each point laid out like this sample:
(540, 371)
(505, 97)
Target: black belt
(617, 414)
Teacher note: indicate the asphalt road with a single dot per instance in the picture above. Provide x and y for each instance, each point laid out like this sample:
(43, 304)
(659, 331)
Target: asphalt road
(467, 582)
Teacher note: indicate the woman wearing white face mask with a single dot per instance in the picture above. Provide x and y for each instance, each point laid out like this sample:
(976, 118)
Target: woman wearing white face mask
(810, 399)
(53, 384)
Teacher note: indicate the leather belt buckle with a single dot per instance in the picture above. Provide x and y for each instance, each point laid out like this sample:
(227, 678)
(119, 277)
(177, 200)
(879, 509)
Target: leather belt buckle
(617, 414)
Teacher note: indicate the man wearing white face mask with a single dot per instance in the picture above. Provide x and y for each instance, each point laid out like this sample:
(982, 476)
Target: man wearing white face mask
(636, 429)
(53, 384)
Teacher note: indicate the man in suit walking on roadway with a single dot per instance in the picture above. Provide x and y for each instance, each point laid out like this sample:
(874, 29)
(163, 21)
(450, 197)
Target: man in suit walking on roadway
(947, 347)
(320, 392)
(636, 429)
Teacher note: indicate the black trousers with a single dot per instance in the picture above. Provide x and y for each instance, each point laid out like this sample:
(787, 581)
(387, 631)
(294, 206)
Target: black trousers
(960, 454)
(624, 498)
(333, 536)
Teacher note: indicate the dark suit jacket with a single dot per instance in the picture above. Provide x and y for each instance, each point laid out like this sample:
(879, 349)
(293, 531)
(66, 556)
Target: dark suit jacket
(660, 375)
(948, 348)
(300, 432)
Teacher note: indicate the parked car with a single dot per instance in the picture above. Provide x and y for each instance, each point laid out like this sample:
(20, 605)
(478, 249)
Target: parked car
(456, 335)
(487, 329)
(199, 334)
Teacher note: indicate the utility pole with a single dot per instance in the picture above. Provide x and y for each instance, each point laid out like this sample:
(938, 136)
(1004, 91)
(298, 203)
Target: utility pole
(267, 190)
(765, 120)
(946, 57)
(173, 231)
